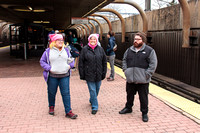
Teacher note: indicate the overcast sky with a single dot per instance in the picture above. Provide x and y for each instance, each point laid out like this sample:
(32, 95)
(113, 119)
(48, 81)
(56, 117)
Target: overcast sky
(126, 8)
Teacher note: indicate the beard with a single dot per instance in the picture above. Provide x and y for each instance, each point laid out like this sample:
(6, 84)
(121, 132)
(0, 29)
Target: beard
(137, 45)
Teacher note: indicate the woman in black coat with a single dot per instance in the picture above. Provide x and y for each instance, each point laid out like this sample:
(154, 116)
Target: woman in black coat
(92, 68)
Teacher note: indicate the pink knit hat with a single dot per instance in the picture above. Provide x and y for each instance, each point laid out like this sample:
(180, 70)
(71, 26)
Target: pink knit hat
(93, 35)
(55, 37)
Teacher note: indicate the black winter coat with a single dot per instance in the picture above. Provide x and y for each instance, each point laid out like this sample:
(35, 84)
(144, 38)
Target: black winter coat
(92, 64)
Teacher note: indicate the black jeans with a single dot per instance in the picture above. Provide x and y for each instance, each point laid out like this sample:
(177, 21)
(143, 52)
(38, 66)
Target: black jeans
(143, 91)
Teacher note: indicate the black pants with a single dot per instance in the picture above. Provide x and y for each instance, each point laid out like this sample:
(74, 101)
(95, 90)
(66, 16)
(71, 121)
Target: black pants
(143, 91)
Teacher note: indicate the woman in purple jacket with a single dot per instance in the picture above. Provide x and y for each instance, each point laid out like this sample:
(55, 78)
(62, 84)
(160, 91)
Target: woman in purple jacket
(56, 63)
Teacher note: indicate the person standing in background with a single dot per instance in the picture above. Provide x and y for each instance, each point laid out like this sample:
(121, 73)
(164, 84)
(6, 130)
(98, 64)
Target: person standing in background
(111, 54)
(70, 38)
(74, 39)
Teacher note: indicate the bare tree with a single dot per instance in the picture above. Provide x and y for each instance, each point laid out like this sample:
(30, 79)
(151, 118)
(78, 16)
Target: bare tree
(164, 3)
(114, 7)
(173, 2)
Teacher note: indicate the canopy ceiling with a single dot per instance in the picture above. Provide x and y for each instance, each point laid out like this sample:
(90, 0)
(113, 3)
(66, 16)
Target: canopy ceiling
(57, 12)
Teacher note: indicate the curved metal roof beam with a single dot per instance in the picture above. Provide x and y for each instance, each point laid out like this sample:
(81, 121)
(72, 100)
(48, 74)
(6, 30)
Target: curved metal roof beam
(105, 18)
(142, 13)
(94, 28)
(77, 29)
(101, 29)
(186, 22)
(121, 19)
(88, 28)
(2, 28)
(80, 27)
(83, 30)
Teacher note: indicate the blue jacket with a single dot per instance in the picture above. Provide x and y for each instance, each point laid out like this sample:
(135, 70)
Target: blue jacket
(111, 44)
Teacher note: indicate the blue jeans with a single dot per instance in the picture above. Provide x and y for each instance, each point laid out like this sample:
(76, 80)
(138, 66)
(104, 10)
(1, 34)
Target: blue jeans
(94, 91)
(52, 86)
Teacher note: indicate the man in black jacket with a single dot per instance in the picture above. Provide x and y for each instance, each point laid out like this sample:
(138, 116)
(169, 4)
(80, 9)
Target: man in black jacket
(139, 63)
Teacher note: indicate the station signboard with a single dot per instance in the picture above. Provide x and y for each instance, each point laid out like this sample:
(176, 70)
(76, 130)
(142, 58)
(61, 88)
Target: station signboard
(76, 20)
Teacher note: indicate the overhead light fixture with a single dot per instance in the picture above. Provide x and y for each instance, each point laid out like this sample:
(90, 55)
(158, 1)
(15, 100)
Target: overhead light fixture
(22, 10)
(27, 9)
(30, 8)
(46, 22)
(39, 10)
(94, 8)
(41, 22)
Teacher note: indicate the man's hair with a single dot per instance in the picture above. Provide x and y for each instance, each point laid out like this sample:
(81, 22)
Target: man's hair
(111, 33)
(142, 35)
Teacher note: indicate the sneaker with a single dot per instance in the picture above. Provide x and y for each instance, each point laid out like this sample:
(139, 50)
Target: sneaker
(94, 112)
(71, 115)
(110, 79)
(145, 118)
(51, 110)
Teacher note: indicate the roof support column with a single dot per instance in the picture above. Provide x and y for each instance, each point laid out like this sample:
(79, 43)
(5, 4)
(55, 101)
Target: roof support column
(142, 13)
(94, 28)
(105, 18)
(186, 22)
(121, 19)
(88, 28)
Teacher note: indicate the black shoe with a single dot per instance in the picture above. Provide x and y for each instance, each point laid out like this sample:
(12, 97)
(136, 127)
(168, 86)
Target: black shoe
(125, 110)
(94, 112)
(145, 118)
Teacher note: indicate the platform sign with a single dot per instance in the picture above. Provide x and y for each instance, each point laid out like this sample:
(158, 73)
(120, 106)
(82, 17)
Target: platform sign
(76, 20)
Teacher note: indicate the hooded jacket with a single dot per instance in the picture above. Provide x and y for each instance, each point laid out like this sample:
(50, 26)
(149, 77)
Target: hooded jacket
(139, 66)
(45, 63)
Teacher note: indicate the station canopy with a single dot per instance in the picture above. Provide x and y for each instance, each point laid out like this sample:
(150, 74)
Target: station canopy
(55, 14)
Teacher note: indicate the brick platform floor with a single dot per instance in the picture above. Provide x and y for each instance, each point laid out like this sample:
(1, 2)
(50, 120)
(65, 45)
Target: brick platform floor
(24, 106)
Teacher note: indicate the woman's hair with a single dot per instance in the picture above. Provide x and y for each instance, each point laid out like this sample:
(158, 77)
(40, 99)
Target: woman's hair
(111, 33)
(53, 44)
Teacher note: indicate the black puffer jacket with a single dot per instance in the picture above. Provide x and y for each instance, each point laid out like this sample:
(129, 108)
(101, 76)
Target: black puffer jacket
(92, 64)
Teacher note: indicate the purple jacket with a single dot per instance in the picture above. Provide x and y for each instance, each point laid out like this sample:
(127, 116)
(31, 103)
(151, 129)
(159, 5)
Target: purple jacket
(45, 63)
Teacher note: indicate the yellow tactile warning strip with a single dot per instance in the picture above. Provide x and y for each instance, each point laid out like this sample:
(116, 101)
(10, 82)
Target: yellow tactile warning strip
(4, 47)
(187, 107)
